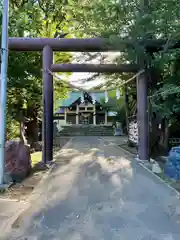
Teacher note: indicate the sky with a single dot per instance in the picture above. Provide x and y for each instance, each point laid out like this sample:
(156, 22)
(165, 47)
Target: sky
(76, 78)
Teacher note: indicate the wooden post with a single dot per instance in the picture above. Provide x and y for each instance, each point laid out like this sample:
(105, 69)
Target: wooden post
(77, 114)
(65, 115)
(94, 115)
(47, 105)
(105, 122)
(142, 116)
(126, 99)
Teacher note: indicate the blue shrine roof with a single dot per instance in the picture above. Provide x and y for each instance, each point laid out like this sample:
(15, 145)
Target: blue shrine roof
(73, 96)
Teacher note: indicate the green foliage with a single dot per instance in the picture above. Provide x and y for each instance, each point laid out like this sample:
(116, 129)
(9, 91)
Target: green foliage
(115, 105)
(132, 20)
(32, 19)
(127, 19)
(12, 128)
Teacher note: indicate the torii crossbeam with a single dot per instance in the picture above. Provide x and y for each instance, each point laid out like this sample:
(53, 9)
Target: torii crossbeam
(87, 44)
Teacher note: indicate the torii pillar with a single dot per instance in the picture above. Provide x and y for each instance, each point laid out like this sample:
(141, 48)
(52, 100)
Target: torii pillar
(47, 105)
(142, 116)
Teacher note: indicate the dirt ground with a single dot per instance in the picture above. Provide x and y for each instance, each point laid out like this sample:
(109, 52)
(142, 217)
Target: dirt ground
(21, 191)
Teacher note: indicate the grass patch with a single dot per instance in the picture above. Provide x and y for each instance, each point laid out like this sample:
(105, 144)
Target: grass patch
(36, 157)
(173, 183)
(165, 178)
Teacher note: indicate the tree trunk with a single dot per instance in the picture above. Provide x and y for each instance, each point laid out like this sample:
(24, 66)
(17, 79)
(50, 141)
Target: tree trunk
(166, 136)
(154, 141)
(22, 133)
(32, 126)
(32, 132)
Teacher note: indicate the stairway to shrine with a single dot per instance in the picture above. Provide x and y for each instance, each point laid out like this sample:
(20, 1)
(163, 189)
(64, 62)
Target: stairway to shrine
(86, 130)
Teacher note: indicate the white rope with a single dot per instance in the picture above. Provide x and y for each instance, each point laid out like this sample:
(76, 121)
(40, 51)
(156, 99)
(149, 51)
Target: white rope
(95, 88)
(82, 97)
(93, 98)
(117, 94)
(170, 91)
(106, 96)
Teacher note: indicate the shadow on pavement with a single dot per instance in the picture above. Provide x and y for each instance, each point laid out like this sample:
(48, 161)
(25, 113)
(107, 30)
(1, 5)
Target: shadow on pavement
(97, 193)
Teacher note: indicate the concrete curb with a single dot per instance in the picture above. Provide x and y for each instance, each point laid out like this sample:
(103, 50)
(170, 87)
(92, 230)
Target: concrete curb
(153, 174)
(140, 162)
(33, 196)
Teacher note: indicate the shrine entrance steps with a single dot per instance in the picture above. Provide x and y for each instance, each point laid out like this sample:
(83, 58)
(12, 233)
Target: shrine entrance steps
(86, 130)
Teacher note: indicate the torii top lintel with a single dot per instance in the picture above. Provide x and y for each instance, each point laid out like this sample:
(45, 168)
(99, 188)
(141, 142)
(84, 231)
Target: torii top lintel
(83, 45)
(63, 44)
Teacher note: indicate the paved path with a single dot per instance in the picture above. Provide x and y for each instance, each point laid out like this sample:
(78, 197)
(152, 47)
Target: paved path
(8, 212)
(99, 192)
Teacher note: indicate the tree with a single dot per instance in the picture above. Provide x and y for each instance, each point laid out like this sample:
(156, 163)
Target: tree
(127, 19)
(116, 105)
(32, 19)
(132, 20)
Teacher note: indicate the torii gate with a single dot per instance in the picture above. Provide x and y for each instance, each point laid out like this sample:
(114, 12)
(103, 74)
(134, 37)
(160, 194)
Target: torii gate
(47, 46)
